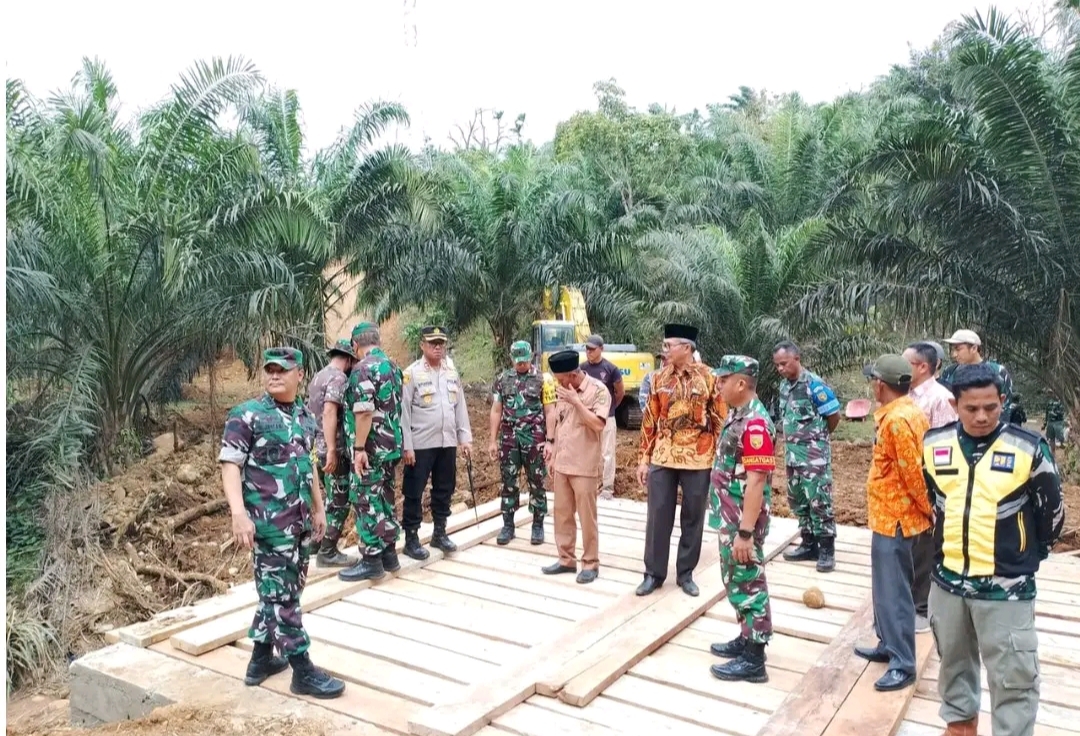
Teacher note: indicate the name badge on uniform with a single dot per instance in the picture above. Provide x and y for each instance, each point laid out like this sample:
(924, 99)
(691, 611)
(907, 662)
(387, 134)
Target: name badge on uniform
(942, 456)
(1003, 461)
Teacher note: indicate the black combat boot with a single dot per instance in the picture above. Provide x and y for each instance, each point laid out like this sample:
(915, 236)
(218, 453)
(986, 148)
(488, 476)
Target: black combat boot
(369, 568)
(307, 679)
(730, 649)
(508, 530)
(537, 529)
(390, 559)
(748, 666)
(439, 540)
(263, 664)
(826, 561)
(807, 549)
(330, 556)
(412, 546)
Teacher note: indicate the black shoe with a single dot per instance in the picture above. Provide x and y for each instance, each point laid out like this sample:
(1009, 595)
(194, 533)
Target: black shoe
(307, 679)
(439, 540)
(689, 587)
(748, 666)
(648, 585)
(537, 529)
(894, 680)
(330, 556)
(587, 576)
(369, 568)
(826, 561)
(729, 650)
(807, 550)
(508, 530)
(557, 569)
(263, 664)
(390, 560)
(872, 654)
(413, 548)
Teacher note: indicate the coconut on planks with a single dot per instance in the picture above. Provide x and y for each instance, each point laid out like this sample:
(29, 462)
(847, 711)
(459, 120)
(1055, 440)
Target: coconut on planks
(812, 597)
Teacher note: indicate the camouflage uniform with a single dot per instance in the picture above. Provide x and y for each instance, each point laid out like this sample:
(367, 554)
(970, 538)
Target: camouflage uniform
(746, 444)
(522, 398)
(805, 403)
(1055, 422)
(375, 386)
(329, 385)
(272, 443)
(1006, 383)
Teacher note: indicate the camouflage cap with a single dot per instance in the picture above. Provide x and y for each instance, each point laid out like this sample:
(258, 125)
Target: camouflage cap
(521, 351)
(341, 347)
(361, 328)
(287, 358)
(731, 364)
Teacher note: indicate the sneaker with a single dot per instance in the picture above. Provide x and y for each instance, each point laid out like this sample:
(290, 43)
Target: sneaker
(922, 624)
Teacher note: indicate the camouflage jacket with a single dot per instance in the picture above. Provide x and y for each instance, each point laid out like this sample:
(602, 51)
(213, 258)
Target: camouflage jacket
(1006, 383)
(805, 402)
(523, 397)
(328, 385)
(1055, 411)
(746, 444)
(272, 443)
(375, 386)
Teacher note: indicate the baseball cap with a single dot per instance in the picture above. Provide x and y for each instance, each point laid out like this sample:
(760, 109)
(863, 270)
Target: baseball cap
(964, 337)
(892, 369)
(287, 358)
(521, 351)
(731, 364)
(595, 341)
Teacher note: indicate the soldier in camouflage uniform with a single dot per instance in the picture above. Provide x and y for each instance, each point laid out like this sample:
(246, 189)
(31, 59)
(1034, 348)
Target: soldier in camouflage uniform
(374, 399)
(740, 496)
(965, 347)
(277, 508)
(1054, 424)
(810, 411)
(325, 401)
(983, 599)
(522, 399)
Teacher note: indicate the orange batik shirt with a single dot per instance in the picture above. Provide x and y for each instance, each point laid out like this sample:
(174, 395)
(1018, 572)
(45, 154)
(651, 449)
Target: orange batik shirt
(683, 418)
(896, 490)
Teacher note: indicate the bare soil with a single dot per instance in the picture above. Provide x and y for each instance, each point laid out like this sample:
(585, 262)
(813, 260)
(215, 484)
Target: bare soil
(183, 475)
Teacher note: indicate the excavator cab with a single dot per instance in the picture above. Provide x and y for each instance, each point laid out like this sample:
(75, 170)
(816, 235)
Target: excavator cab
(550, 336)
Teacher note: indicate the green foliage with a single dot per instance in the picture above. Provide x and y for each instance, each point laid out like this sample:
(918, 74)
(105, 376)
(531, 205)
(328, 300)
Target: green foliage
(31, 645)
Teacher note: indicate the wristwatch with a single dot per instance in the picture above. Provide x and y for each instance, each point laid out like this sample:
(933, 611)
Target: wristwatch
(745, 534)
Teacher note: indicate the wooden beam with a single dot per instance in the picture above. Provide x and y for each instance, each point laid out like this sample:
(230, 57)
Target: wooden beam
(647, 632)
(234, 626)
(241, 597)
(809, 708)
(866, 710)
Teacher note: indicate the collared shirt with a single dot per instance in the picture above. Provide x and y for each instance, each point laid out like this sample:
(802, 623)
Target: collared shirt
(933, 399)
(683, 418)
(606, 373)
(896, 489)
(577, 446)
(328, 385)
(433, 412)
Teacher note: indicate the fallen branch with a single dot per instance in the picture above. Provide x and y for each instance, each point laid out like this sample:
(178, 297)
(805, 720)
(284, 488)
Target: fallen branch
(185, 517)
(184, 578)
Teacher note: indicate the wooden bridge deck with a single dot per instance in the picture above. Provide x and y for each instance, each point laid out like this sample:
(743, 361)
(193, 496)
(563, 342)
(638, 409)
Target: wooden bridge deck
(483, 642)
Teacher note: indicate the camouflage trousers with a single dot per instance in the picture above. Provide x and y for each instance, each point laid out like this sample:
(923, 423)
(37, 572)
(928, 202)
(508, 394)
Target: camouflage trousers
(517, 453)
(372, 496)
(747, 589)
(280, 560)
(336, 487)
(809, 496)
(1055, 432)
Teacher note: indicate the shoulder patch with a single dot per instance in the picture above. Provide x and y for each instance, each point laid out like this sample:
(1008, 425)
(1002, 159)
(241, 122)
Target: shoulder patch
(1003, 461)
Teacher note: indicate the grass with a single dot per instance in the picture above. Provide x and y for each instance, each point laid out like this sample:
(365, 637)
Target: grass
(473, 355)
(848, 431)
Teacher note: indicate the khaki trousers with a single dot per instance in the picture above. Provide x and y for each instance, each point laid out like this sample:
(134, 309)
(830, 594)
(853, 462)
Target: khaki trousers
(607, 450)
(576, 493)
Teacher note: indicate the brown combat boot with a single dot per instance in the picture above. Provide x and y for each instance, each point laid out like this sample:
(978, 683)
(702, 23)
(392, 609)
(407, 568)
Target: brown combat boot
(962, 728)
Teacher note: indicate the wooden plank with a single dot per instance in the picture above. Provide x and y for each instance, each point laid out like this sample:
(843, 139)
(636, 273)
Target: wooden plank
(489, 556)
(649, 631)
(624, 717)
(528, 720)
(788, 653)
(679, 704)
(510, 581)
(500, 611)
(444, 637)
(868, 711)
(365, 704)
(809, 708)
(607, 558)
(804, 624)
(228, 629)
(481, 591)
(163, 625)
(925, 712)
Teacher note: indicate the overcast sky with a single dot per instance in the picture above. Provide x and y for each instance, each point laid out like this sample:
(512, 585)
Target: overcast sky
(444, 58)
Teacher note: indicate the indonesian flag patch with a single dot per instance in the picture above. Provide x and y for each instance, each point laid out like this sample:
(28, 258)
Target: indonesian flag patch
(942, 456)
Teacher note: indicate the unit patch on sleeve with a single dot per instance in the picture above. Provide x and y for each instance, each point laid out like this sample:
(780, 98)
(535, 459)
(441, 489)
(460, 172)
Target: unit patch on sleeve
(1003, 461)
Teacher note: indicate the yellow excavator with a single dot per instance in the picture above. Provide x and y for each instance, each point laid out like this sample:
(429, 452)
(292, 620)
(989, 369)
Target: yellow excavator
(564, 324)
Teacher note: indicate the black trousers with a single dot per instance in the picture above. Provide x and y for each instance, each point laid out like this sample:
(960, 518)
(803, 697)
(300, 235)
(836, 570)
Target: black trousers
(922, 553)
(440, 464)
(663, 484)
